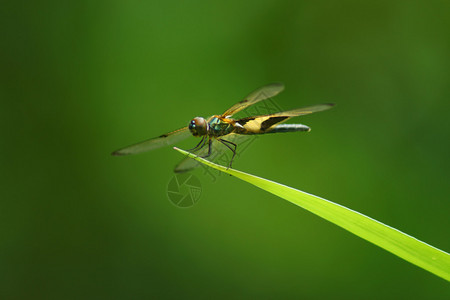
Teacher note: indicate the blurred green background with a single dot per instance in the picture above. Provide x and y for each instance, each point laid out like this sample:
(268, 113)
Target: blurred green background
(82, 78)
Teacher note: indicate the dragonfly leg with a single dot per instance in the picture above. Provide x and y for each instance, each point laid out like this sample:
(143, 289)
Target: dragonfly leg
(199, 145)
(209, 148)
(228, 143)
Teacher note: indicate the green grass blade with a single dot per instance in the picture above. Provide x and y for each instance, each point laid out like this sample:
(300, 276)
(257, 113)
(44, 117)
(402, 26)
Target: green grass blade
(405, 246)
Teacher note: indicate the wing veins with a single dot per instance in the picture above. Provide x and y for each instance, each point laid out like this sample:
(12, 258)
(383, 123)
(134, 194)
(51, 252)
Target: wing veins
(155, 143)
(262, 93)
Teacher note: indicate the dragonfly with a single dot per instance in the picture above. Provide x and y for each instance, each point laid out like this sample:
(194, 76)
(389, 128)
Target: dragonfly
(222, 128)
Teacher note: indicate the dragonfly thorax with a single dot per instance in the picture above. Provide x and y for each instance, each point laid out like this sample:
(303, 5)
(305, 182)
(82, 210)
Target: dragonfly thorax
(219, 126)
(198, 126)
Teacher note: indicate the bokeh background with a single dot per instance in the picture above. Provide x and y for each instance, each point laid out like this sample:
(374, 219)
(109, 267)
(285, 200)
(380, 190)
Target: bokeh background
(82, 78)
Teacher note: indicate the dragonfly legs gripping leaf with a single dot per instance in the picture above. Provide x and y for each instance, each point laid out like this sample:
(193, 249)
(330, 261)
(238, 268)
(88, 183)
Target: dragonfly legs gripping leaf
(209, 149)
(228, 143)
(199, 145)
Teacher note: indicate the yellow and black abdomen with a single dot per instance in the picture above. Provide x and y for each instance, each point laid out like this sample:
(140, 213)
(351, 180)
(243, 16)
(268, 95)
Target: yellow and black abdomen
(266, 124)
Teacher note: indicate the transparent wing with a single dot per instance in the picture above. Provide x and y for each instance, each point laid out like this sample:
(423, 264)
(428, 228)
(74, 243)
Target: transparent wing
(260, 94)
(304, 110)
(154, 143)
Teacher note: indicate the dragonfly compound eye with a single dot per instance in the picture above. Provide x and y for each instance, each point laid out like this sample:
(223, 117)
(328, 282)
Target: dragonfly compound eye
(198, 126)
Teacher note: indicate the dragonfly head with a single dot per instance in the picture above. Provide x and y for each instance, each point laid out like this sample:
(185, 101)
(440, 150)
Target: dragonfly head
(198, 126)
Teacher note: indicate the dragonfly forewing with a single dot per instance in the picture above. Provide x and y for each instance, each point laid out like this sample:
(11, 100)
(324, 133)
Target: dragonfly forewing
(154, 143)
(265, 92)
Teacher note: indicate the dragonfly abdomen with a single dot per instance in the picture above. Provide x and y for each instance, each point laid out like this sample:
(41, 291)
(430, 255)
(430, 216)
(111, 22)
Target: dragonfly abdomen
(274, 129)
(288, 128)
